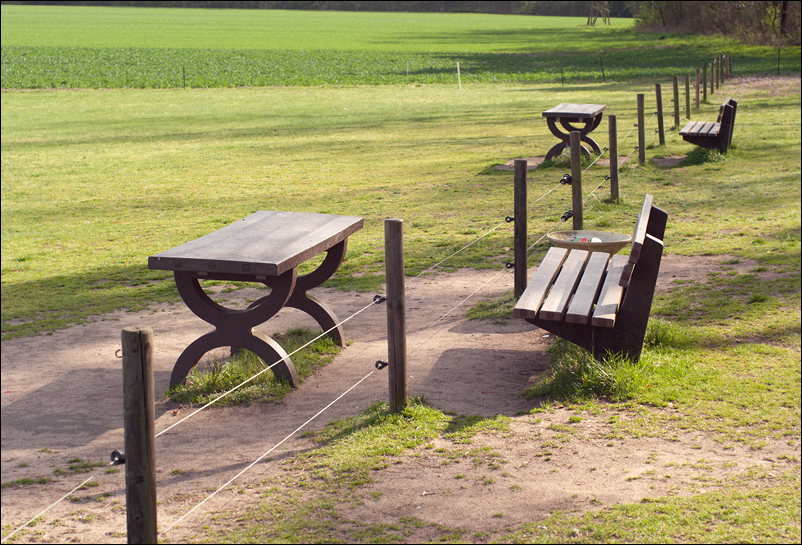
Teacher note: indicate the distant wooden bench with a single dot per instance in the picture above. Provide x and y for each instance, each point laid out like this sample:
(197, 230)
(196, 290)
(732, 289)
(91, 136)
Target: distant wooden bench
(713, 135)
(597, 301)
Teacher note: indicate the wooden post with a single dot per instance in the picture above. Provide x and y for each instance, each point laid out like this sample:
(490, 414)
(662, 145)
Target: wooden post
(519, 236)
(687, 96)
(675, 81)
(612, 121)
(396, 313)
(697, 88)
(139, 408)
(718, 72)
(729, 65)
(712, 78)
(576, 178)
(641, 132)
(661, 130)
(704, 82)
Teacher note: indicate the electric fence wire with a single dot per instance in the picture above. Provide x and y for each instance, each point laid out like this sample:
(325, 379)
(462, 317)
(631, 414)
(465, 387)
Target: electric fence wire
(315, 339)
(243, 383)
(260, 458)
(65, 496)
(465, 247)
(443, 316)
(372, 303)
(414, 278)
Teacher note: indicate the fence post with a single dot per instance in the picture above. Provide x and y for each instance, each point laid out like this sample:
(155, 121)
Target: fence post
(396, 313)
(661, 130)
(675, 82)
(687, 96)
(612, 121)
(712, 78)
(697, 88)
(576, 178)
(641, 132)
(718, 71)
(519, 236)
(704, 82)
(139, 408)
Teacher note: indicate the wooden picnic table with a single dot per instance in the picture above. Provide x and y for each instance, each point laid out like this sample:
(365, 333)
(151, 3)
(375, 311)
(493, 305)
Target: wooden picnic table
(566, 114)
(265, 247)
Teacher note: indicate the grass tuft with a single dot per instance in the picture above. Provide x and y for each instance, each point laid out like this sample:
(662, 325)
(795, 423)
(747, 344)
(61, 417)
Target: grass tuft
(700, 156)
(575, 375)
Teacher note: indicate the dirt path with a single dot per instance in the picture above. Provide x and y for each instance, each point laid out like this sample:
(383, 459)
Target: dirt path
(62, 399)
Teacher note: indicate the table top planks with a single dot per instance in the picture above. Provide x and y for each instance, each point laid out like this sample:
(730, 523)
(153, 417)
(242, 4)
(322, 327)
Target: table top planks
(265, 243)
(576, 111)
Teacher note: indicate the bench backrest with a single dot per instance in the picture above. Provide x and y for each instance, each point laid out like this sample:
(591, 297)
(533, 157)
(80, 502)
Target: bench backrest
(646, 224)
(726, 116)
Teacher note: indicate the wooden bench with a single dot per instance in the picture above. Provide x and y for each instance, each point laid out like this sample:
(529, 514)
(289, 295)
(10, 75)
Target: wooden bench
(598, 301)
(713, 135)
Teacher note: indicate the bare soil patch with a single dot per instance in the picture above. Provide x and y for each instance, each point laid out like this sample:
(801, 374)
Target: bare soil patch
(62, 399)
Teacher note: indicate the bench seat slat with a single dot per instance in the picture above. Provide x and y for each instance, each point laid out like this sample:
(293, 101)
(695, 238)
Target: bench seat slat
(701, 128)
(531, 299)
(690, 128)
(709, 129)
(610, 297)
(557, 301)
(582, 303)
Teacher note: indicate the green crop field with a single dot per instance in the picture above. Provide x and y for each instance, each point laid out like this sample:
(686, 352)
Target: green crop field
(94, 47)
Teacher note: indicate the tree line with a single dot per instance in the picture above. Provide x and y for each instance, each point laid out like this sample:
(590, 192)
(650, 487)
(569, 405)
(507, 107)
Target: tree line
(758, 22)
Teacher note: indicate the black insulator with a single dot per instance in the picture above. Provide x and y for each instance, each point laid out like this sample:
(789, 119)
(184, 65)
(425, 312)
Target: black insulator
(566, 180)
(568, 215)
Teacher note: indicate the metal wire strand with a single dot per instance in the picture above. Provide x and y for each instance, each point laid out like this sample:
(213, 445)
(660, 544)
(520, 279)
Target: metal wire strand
(243, 383)
(65, 496)
(260, 458)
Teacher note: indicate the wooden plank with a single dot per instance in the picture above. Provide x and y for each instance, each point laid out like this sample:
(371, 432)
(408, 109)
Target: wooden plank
(610, 297)
(266, 242)
(557, 300)
(639, 234)
(626, 274)
(583, 111)
(714, 130)
(536, 291)
(582, 302)
(689, 128)
(706, 128)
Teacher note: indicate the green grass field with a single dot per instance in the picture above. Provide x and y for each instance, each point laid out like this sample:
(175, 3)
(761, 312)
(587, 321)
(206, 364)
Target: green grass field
(97, 47)
(96, 180)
